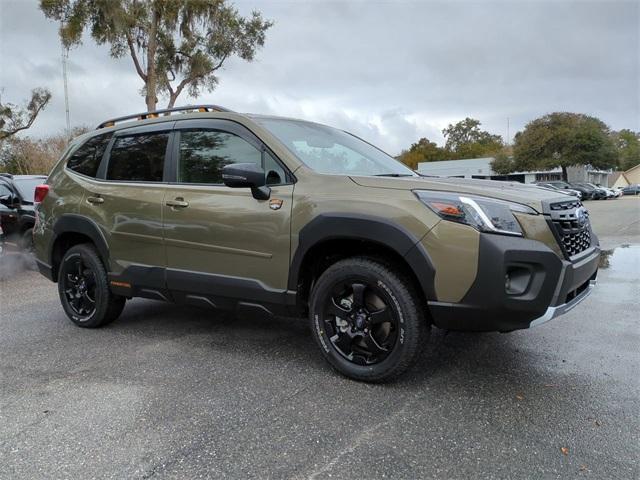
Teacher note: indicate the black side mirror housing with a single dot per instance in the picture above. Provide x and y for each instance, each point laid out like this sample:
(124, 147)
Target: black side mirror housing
(247, 175)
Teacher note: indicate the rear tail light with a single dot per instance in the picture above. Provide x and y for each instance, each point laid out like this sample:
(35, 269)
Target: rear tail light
(41, 193)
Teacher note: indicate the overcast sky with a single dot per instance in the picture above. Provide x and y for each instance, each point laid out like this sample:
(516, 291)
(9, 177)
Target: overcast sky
(391, 72)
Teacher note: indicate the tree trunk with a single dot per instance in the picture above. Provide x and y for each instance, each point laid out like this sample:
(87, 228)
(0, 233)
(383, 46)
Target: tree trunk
(172, 100)
(564, 174)
(152, 81)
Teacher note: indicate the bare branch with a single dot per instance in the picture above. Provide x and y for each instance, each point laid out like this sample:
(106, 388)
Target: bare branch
(136, 62)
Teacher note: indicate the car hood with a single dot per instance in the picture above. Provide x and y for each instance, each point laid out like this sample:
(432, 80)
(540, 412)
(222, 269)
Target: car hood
(530, 195)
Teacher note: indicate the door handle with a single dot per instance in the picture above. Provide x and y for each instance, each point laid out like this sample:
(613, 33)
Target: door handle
(177, 203)
(95, 200)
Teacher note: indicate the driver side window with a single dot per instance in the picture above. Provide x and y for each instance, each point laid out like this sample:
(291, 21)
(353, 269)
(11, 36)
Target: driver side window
(204, 153)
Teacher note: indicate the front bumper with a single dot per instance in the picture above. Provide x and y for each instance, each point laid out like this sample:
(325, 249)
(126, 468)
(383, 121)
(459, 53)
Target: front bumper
(553, 312)
(546, 287)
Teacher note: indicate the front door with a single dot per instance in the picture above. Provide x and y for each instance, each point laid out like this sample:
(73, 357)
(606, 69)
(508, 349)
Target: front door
(222, 244)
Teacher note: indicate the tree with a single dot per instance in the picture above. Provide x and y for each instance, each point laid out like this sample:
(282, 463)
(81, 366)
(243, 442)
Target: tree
(422, 151)
(465, 139)
(564, 139)
(174, 44)
(502, 163)
(628, 144)
(27, 156)
(14, 119)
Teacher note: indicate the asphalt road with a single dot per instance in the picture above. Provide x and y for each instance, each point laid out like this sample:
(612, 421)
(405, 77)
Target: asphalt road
(175, 392)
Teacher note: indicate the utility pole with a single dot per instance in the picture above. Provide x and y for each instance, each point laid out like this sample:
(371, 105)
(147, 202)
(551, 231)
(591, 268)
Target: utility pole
(508, 137)
(65, 55)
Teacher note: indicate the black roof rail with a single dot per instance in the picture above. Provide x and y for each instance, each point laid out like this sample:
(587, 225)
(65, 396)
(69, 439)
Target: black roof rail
(8, 175)
(156, 113)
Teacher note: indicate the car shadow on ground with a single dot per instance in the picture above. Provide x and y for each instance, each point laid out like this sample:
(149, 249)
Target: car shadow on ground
(460, 355)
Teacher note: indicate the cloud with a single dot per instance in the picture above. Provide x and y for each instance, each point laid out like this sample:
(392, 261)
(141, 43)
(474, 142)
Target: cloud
(391, 72)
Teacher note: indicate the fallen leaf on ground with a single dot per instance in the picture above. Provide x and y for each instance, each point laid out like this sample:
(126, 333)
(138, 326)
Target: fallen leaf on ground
(519, 397)
(564, 450)
(583, 468)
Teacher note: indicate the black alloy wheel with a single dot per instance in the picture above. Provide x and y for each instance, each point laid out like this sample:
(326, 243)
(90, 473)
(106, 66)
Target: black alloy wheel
(359, 321)
(84, 290)
(79, 285)
(368, 319)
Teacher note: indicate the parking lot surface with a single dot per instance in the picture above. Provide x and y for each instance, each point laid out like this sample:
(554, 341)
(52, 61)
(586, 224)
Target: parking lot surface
(174, 392)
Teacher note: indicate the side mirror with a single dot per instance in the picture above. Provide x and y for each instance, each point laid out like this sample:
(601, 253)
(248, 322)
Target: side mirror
(247, 175)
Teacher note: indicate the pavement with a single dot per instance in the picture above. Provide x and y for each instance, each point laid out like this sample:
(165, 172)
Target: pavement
(174, 392)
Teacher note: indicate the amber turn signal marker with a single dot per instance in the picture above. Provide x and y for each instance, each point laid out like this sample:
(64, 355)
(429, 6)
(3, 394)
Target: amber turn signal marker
(447, 209)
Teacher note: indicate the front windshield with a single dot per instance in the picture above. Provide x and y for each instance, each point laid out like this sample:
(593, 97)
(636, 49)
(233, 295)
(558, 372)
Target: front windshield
(27, 187)
(329, 150)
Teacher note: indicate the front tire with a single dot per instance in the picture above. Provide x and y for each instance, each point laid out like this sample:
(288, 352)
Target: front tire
(84, 288)
(366, 318)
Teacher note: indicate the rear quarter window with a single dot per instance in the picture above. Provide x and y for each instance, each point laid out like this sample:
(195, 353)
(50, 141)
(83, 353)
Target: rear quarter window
(86, 159)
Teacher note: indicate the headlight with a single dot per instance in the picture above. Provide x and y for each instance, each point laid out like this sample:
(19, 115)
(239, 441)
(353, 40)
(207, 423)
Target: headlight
(484, 214)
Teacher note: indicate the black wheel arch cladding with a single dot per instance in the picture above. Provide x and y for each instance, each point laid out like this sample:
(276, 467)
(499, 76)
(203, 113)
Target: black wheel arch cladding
(335, 226)
(72, 223)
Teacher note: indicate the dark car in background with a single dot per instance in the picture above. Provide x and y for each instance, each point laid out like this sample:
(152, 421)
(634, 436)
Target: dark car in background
(631, 190)
(567, 191)
(597, 193)
(17, 216)
(587, 193)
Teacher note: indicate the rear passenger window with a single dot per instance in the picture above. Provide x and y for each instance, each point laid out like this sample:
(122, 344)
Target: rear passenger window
(138, 158)
(86, 159)
(203, 153)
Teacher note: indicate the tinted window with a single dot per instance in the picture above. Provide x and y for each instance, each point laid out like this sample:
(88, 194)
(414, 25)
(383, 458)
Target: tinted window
(86, 159)
(203, 153)
(138, 158)
(275, 173)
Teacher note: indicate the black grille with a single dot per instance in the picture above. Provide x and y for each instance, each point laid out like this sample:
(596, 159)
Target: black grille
(575, 238)
(571, 224)
(566, 205)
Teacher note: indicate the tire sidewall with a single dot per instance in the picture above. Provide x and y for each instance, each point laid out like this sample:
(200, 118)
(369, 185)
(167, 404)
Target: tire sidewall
(394, 301)
(90, 259)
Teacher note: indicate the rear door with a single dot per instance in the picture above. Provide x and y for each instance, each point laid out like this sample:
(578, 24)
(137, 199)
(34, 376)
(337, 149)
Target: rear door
(126, 201)
(221, 241)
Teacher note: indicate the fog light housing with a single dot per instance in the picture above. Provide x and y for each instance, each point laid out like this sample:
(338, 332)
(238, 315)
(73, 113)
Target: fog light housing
(517, 280)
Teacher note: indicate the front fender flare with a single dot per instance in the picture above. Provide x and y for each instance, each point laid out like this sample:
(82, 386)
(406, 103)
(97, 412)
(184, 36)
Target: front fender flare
(331, 226)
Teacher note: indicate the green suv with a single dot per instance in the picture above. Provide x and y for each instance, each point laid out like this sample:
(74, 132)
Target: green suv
(274, 216)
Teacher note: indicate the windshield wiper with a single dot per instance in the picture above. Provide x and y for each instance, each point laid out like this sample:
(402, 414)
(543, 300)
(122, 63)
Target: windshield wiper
(394, 175)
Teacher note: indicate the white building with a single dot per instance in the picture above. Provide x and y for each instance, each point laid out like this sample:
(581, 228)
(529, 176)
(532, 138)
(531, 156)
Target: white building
(481, 168)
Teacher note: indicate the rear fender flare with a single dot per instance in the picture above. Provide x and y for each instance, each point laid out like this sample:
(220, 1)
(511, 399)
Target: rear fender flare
(72, 223)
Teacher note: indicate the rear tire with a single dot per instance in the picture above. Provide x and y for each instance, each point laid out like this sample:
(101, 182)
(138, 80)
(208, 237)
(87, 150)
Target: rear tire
(84, 291)
(366, 318)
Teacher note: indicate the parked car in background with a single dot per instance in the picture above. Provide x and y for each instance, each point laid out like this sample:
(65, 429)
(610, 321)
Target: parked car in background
(612, 192)
(566, 191)
(593, 192)
(587, 193)
(600, 192)
(631, 190)
(17, 217)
